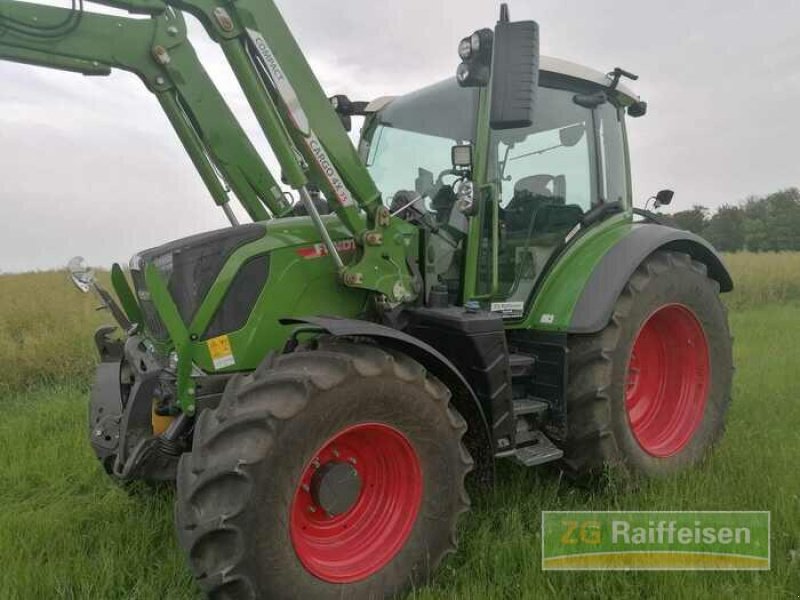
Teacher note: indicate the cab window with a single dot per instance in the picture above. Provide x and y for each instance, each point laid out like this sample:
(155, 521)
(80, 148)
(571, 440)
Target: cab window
(549, 176)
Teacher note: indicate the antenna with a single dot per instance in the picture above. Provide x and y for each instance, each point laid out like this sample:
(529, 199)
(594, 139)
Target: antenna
(504, 16)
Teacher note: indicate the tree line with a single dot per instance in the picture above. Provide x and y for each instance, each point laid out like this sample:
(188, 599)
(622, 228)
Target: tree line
(758, 224)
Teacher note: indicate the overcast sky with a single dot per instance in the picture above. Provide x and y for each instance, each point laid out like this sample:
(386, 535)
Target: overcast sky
(91, 166)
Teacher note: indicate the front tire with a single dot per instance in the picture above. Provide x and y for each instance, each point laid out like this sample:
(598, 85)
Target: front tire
(651, 391)
(332, 473)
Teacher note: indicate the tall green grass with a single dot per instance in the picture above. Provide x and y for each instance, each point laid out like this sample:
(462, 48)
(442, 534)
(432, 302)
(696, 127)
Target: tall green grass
(67, 532)
(46, 325)
(46, 328)
(764, 278)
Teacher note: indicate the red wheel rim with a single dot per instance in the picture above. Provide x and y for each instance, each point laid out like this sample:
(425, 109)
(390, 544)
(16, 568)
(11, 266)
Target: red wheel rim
(668, 380)
(353, 545)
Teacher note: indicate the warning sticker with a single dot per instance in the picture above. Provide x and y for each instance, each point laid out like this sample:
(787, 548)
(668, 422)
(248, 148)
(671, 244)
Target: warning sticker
(508, 309)
(221, 352)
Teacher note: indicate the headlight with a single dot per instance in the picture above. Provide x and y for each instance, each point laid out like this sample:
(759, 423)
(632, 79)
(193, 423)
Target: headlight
(475, 43)
(135, 263)
(465, 48)
(476, 52)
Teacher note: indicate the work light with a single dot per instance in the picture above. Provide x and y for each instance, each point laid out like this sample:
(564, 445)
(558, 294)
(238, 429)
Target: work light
(476, 52)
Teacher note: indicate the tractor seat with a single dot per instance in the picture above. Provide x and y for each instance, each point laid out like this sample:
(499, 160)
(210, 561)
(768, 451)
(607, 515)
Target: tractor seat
(530, 194)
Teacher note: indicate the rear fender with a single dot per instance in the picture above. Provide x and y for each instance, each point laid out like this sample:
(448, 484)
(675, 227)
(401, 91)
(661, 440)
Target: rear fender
(596, 302)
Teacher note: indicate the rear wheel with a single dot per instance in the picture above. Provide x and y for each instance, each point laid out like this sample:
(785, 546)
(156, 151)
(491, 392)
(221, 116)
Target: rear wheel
(650, 392)
(333, 473)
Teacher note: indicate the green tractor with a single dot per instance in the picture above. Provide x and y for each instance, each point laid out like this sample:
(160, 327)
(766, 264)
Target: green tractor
(471, 284)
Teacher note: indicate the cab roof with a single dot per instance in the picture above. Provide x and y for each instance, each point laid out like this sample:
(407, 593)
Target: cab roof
(559, 66)
(554, 66)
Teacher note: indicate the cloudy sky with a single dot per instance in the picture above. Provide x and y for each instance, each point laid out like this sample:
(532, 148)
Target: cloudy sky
(90, 165)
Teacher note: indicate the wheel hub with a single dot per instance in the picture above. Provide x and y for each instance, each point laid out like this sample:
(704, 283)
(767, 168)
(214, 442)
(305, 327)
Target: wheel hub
(356, 503)
(335, 487)
(668, 380)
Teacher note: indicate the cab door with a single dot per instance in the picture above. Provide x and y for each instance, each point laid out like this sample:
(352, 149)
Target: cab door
(545, 178)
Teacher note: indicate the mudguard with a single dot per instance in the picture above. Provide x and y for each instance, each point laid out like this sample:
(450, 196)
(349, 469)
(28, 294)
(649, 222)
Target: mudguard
(478, 438)
(596, 302)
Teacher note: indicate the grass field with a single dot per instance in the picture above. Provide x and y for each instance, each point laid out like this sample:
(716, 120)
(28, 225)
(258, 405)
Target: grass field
(67, 532)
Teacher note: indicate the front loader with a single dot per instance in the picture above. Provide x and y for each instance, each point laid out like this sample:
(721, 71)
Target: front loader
(321, 387)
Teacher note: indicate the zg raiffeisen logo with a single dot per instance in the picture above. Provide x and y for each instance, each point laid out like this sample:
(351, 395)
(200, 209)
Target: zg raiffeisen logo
(640, 540)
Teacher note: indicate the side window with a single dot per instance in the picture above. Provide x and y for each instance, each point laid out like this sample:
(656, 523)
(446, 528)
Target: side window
(548, 180)
(553, 164)
(612, 153)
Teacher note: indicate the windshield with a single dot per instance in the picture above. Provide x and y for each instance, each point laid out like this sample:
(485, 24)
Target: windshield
(412, 141)
(398, 157)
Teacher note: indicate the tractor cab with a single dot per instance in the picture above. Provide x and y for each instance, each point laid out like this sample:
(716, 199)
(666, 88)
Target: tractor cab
(545, 177)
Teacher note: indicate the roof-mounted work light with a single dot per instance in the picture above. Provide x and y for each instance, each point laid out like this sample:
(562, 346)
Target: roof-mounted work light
(476, 52)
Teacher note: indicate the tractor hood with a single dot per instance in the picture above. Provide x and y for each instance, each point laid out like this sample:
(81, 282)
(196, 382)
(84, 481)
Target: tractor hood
(236, 258)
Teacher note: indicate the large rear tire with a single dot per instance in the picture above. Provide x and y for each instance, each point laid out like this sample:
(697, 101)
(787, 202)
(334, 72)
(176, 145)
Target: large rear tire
(332, 473)
(651, 391)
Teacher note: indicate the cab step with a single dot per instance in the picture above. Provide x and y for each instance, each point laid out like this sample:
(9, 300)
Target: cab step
(521, 364)
(541, 451)
(530, 406)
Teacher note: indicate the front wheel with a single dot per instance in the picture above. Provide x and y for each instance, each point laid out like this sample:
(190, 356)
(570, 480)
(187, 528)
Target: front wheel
(651, 391)
(332, 473)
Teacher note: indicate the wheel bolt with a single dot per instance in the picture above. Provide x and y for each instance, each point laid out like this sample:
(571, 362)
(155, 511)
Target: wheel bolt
(305, 487)
(315, 463)
(353, 460)
(312, 509)
(336, 453)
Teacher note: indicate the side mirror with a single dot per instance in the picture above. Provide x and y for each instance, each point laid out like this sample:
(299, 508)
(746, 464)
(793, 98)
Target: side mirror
(81, 274)
(424, 182)
(515, 72)
(346, 109)
(664, 198)
(509, 59)
(570, 136)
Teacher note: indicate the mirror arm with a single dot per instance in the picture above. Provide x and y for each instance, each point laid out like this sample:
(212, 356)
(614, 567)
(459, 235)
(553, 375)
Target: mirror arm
(109, 302)
(650, 216)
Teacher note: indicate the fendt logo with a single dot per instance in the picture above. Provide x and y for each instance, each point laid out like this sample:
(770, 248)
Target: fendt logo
(319, 250)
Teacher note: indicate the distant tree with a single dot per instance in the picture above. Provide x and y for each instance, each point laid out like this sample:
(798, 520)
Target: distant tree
(783, 220)
(756, 237)
(759, 223)
(725, 229)
(693, 220)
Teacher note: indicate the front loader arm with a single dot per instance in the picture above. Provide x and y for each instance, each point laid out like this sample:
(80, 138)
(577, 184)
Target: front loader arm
(309, 140)
(205, 125)
(299, 122)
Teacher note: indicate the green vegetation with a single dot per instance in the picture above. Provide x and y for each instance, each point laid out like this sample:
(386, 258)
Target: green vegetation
(67, 532)
(758, 224)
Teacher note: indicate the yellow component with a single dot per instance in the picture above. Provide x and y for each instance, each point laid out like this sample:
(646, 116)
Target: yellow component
(160, 423)
(221, 352)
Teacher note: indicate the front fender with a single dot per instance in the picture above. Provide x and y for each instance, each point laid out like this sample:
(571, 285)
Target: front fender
(478, 438)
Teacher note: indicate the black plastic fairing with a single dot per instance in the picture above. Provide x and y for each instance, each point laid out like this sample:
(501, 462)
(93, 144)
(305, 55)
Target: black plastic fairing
(596, 302)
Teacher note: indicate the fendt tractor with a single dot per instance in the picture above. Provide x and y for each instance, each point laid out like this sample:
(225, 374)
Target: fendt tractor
(472, 283)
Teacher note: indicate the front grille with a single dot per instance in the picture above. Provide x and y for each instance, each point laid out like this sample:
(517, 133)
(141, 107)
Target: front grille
(241, 297)
(152, 322)
(190, 266)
